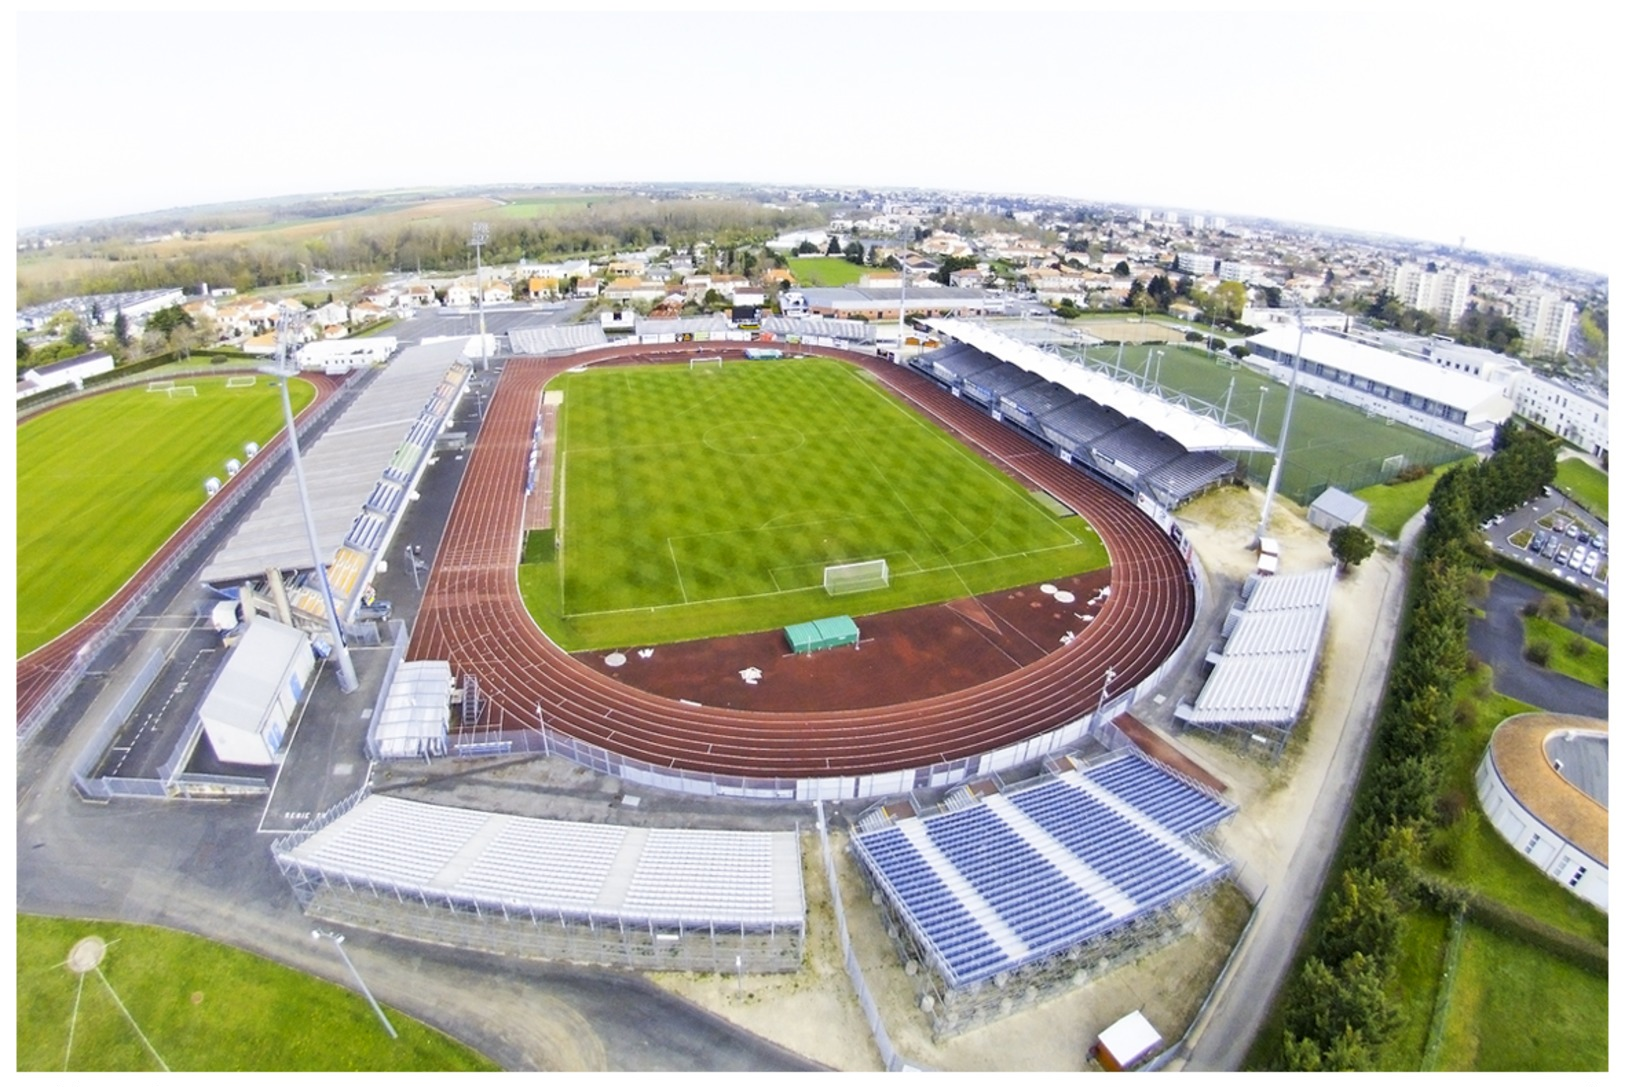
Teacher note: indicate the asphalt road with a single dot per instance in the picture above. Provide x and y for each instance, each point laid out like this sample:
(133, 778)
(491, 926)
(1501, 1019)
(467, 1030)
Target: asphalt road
(1498, 640)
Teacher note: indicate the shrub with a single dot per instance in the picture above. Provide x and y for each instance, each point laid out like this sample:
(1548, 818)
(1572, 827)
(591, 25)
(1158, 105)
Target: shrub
(1553, 608)
(1538, 653)
(1577, 646)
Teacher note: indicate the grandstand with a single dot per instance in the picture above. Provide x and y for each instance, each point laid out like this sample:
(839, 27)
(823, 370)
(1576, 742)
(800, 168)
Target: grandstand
(1013, 895)
(824, 330)
(392, 422)
(1130, 438)
(555, 339)
(1261, 676)
(639, 897)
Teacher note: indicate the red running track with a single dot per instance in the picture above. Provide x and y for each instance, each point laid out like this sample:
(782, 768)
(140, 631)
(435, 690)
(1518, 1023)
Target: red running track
(472, 615)
(40, 671)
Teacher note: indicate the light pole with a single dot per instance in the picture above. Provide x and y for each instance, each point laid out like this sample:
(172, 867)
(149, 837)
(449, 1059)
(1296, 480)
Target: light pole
(482, 234)
(1263, 391)
(1280, 441)
(284, 370)
(338, 942)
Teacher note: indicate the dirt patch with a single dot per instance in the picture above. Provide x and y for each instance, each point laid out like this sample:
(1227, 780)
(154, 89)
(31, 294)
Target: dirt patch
(901, 656)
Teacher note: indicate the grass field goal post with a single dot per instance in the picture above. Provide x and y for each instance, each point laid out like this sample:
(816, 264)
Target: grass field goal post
(856, 577)
(710, 363)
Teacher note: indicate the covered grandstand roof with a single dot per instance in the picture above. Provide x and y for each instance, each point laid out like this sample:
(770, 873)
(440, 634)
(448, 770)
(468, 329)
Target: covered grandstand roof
(414, 714)
(1262, 676)
(341, 469)
(575, 869)
(1028, 873)
(830, 327)
(1193, 431)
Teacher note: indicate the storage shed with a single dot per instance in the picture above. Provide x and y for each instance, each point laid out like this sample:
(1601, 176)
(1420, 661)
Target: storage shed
(822, 634)
(1335, 508)
(414, 716)
(1127, 1042)
(247, 712)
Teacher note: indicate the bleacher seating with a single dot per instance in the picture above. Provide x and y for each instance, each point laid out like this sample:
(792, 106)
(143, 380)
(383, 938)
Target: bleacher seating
(1030, 403)
(1185, 477)
(554, 339)
(986, 386)
(989, 885)
(1080, 422)
(1137, 446)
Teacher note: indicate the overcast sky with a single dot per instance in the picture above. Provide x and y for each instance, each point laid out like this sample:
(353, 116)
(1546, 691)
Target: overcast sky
(1462, 125)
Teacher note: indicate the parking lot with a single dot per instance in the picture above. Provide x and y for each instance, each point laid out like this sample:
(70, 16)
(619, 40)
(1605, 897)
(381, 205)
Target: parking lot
(1554, 536)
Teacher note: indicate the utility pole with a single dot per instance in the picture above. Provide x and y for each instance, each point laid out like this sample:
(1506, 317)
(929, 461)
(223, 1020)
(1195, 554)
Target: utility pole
(338, 943)
(287, 327)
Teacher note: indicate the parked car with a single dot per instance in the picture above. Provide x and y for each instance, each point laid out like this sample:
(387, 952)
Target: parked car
(1577, 557)
(1584, 536)
(1551, 547)
(1600, 542)
(1589, 567)
(1539, 543)
(1563, 556)
(1573, 530)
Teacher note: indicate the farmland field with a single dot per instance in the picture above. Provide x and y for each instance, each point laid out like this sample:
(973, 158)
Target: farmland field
(103, 481)
(696, 503)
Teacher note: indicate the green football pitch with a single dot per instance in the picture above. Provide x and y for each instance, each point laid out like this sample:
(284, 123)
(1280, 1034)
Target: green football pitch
(699, 502)
(103, 481)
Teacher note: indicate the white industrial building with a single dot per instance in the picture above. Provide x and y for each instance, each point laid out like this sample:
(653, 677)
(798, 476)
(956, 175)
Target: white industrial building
(1462, 409)
(248, 711)
(56, 375)
(1543, 783)
(1572, 414)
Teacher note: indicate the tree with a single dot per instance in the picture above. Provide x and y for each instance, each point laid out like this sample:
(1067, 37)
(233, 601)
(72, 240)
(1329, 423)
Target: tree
(1121, 268)
(23, 350)
(77, 336)
(1240, 351)
(834, 249)
(853, 251)
(121, 329)
(1351, 545)
(806, 247)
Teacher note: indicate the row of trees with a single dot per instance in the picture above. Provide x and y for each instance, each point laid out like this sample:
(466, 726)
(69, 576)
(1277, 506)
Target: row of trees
(1475, 328)
(1338, 1011)
(384, 243)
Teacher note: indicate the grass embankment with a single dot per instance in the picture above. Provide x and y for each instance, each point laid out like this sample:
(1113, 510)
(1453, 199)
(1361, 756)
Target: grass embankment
(202, 1007)
(103, 481)
(1567, 652)
(1585, 484)
(697, 503)
(1390, 505)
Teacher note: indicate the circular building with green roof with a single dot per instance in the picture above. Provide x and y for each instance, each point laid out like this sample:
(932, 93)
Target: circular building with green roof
(1543, 783)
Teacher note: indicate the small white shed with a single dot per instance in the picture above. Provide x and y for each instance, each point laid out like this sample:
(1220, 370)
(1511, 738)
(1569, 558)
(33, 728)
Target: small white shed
(415, 715)
(1335, 509)
(247, 712)
(1127, 1042)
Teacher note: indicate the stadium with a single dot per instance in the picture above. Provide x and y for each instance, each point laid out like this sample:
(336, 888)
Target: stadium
(1113, 457)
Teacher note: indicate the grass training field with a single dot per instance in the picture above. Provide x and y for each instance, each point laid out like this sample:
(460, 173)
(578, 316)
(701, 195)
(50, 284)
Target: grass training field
(103, 481)
(202, 1007)
(1331, 442)
(827, 271)
(695, 503)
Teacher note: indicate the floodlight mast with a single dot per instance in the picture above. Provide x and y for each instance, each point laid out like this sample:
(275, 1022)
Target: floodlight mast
(1280, 441)
(287, 327)
(482, 234)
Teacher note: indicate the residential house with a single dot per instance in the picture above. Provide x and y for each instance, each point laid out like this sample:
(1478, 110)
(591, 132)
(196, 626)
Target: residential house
(333, 313)
(966, 277)
(497, 290)
(418, 295)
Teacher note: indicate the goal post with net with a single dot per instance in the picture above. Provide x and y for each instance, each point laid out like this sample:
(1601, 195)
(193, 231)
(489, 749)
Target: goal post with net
(856, 577)
(713, 362)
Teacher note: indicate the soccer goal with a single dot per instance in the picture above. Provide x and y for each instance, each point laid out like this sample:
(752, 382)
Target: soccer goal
(182, 391)
(856, 577)
(707, 365)
(160, 386)
(244, 381)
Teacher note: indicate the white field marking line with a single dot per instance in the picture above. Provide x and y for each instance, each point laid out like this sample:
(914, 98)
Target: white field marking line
(558, 525)
(678, 568)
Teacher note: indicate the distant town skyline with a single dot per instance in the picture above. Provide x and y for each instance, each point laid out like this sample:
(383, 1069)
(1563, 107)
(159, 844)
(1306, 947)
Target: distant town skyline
(1333, 120)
